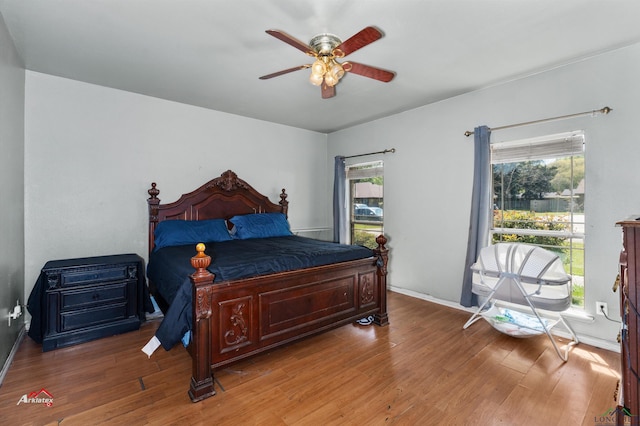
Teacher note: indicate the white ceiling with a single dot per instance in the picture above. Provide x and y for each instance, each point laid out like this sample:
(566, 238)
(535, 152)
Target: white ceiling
(210, 53)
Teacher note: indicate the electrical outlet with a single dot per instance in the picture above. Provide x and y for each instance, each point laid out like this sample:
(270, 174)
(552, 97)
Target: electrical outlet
(601, 309)
(15, 313)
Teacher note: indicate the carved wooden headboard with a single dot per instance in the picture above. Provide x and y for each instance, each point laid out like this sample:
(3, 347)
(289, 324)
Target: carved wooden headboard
(221, 198)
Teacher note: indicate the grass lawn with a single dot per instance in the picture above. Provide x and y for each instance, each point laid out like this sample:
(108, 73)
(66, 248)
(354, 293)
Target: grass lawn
(577, 258)
(365, 234)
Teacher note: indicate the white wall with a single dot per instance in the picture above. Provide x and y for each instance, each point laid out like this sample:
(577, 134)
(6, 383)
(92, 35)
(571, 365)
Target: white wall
(428, 179)
(92, 153)
(11, 190)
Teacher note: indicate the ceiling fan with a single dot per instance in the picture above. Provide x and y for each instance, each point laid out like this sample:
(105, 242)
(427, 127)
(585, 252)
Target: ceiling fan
(326, 71)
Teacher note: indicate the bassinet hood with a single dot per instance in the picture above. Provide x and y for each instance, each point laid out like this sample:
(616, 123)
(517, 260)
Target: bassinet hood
(529, 263)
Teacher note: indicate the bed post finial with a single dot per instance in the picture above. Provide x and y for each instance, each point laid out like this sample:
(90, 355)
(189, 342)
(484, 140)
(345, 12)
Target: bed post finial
(201, 261)
(153, 201)
(382, 253)
(153, 191)
(284, 203)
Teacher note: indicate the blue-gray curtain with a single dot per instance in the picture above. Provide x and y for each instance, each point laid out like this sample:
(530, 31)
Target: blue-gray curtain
(481, 213)
(339, 201)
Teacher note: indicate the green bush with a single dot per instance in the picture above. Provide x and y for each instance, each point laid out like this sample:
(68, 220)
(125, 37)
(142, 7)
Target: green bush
(527, 220)
(366, 239)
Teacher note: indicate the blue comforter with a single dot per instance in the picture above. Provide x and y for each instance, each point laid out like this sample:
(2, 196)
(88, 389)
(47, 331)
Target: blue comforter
(169, 269)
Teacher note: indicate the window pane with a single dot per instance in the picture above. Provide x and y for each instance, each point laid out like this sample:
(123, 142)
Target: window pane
(541, 202)
(366, 193)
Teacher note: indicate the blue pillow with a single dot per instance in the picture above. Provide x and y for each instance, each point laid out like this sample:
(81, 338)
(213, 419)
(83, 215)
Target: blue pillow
(181, 232)
(261, 225)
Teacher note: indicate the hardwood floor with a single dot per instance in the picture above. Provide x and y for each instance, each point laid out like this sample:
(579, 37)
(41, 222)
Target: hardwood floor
(422, 369)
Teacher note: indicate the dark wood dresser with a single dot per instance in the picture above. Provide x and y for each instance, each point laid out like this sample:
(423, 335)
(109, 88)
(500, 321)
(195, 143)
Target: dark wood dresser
(629, 289)
(77, 300)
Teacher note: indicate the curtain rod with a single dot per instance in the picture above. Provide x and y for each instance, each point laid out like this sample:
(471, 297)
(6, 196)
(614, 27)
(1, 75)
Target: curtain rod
(392, 150)
(605, 110)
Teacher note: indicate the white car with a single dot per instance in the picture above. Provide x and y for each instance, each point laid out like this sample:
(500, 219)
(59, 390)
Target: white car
(366, 214)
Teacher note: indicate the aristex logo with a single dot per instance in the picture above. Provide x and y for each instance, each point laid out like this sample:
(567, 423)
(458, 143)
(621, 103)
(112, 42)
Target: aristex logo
(40, 397)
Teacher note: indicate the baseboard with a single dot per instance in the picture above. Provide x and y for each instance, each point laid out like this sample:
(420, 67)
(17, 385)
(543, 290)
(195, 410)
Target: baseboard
(588, 340)
(14, 349)
(430, 298)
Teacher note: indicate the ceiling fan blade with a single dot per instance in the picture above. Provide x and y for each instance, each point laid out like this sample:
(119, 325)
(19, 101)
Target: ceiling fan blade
(328, 91)
(287, 71)
(369, 71)
(358, 41)
(292, 41)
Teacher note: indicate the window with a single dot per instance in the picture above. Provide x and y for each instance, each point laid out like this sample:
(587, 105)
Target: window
(538, 190)
(366, 197)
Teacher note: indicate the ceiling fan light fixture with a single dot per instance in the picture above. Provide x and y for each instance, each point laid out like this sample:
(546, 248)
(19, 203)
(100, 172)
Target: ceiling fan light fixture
(316, 79)
(318, 67)
(337, 70)
(330, 79)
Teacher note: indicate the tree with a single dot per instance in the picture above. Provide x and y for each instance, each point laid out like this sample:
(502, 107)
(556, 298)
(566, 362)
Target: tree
(562, 179)
(528, 180)
(505, 178)
(376, 180)
(535, 179)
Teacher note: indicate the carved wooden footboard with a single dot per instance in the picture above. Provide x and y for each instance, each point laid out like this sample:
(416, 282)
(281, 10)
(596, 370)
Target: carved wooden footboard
(247, 317)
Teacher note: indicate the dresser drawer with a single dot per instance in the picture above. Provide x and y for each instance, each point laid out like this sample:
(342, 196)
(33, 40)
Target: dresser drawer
(95, 295)
(86, 318)
(93, 276)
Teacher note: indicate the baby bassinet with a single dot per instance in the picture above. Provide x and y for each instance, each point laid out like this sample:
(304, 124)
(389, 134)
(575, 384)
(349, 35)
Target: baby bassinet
(525, 275)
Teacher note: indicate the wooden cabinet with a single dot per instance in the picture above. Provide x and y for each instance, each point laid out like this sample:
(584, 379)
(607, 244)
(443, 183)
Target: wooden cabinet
(77, 300)
(629, 289)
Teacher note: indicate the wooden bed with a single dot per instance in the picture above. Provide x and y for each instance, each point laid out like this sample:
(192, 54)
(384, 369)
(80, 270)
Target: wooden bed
(233, 320)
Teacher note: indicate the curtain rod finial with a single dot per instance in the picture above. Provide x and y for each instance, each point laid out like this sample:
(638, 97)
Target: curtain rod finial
(468, 133)
(606, 110)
